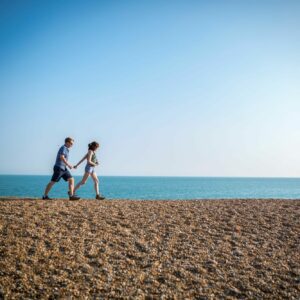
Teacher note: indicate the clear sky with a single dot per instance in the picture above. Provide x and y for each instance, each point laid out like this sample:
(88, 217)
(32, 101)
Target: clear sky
(180, 88)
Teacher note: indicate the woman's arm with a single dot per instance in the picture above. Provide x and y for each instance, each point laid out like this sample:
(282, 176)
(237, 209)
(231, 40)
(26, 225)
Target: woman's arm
(81, 161)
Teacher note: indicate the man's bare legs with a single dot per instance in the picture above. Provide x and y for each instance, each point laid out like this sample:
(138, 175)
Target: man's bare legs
(48, 187)
(71, 186)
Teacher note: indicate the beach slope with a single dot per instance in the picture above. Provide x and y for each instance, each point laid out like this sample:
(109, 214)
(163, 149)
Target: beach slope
(206, 249)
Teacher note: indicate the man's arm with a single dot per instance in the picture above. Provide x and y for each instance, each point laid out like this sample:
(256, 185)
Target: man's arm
(62, 157)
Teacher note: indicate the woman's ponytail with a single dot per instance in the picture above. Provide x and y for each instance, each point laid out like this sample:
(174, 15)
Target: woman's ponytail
(93, 146)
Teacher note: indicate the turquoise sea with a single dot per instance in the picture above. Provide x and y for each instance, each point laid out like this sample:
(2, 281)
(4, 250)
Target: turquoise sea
(115, 187)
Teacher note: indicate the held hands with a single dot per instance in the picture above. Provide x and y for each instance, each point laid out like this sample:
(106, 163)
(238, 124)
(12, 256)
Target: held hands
(75, 166)
(72, 167)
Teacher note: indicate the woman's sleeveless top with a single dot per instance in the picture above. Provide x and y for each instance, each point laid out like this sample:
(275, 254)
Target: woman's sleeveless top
(94, 158)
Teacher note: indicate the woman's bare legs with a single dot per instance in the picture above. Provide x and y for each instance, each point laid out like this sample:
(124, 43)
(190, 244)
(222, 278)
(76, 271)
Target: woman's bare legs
(82, 182)
(96, 182)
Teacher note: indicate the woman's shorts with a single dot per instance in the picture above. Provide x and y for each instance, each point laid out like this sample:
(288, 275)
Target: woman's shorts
(89, 169)
(59, 173)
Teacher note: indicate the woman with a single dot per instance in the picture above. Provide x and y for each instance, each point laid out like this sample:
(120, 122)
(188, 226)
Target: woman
(92, 162)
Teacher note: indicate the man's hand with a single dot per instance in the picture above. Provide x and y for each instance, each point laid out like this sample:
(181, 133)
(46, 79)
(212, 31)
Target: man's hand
(75, 167)
(70, 167)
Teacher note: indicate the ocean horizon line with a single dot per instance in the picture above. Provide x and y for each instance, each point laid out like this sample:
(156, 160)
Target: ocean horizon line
(171, 176)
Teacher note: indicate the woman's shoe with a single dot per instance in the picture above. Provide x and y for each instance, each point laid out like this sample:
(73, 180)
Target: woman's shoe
(98, 197)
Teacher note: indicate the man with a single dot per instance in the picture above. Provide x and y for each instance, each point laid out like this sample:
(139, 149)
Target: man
(60, 170)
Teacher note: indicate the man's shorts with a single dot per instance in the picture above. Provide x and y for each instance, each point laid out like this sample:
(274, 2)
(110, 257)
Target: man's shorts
(59, 173)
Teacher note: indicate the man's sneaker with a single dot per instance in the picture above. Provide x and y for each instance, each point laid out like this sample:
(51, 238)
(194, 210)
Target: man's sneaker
(74, 197)
(46, 198)
(98, 197)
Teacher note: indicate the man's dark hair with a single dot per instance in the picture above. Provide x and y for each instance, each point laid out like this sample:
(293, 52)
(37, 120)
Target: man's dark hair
(68, 140)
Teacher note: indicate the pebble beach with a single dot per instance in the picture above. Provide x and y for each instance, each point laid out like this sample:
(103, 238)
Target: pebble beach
(189, 249)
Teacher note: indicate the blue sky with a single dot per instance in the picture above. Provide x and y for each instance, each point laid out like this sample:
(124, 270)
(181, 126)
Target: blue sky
(179, 88)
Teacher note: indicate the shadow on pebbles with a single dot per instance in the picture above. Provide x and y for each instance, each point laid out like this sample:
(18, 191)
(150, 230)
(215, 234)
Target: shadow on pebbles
(207, 249)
